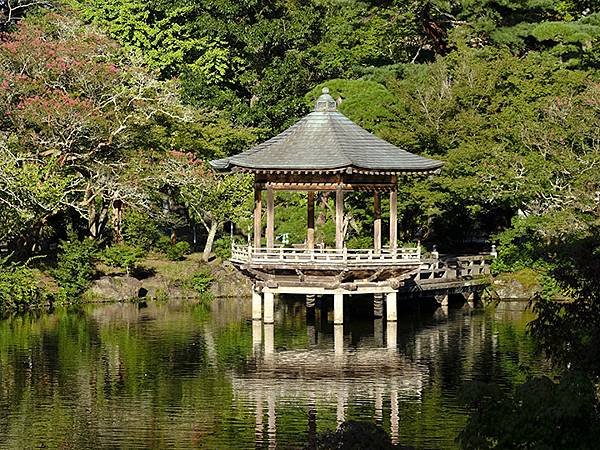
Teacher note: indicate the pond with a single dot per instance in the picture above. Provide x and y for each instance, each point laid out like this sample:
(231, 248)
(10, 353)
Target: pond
(183, 375)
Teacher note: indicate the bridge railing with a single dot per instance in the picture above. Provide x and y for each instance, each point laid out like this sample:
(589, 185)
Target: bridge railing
(455, 267)
(245, 254)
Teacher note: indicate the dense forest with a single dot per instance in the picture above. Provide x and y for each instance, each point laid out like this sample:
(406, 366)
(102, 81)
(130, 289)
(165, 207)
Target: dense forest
(109, 110)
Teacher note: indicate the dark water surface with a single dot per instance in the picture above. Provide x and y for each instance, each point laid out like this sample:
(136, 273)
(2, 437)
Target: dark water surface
(178, 374)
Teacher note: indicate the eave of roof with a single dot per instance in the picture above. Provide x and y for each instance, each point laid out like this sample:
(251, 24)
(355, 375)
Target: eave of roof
(326, 141)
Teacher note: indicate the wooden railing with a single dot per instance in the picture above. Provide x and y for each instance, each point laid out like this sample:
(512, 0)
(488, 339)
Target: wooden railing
(327, 256)
(454, 267)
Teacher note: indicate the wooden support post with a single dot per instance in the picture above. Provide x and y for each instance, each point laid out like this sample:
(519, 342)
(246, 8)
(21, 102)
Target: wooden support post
(394, 216)
(471, 298)
(256, 305)
(270, 218)
(338, 308)
(339, 218)
(377, 222)
(310, 219)
(391, 337)
(442, 299)
(269, 307)
(257, 216)
(378, 332)
(311, 299)
(378, 305)
(390, 306)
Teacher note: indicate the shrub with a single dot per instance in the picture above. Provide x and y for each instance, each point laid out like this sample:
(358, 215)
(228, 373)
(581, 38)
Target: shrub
(178, 251)
(139, 230)
(75, 267)
(122, 255)
(222, 247)
(175, 252)
(18, 287)
(201, 281)
(163, 243)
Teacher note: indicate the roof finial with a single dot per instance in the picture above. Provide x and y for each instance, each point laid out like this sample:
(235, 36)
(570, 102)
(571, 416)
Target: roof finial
(325, 102)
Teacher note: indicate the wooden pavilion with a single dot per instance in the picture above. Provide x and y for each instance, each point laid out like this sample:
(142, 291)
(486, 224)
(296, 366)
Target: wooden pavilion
(325, 151)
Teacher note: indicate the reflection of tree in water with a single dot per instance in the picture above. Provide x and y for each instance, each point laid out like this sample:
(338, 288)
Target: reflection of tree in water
(354, 435)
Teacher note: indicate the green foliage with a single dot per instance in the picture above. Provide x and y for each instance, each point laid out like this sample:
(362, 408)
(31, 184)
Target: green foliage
(139, 230)
(222, 247)
(540, 414)
(18, 286)
(75, 267)
(201, 281)
(122, 255)
(174, 251)
(360, 242)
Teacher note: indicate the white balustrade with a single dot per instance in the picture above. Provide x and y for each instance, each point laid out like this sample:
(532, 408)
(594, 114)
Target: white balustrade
(327, 256)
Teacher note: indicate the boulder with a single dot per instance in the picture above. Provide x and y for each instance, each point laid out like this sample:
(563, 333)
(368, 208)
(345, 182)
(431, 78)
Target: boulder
(119, 288)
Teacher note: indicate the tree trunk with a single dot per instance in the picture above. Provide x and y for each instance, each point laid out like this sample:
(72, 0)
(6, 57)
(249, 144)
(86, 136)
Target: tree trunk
(209, 240)
(117, 220)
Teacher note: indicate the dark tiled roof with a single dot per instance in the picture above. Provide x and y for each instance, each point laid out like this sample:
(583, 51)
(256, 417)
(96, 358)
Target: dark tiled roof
(327, 140)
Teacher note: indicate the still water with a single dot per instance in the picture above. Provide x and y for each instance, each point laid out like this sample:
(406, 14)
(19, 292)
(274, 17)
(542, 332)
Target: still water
(179, 374)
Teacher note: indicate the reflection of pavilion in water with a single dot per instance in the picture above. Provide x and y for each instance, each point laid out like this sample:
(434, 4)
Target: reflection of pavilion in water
(333, 372)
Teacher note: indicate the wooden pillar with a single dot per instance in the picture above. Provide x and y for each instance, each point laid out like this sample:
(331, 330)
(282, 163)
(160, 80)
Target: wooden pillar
(390, 306)
(394, 216)
(310, 219)
(338, 308)
(270, 218)
(339, 218)
(377, 222)
(256, 305)
(268, 307)
(391, 336)
(257, 215)
(378, 305)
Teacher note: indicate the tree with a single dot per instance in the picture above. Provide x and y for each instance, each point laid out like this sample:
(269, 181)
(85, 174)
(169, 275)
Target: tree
(75, 108)
(211, 199)
(31, 192)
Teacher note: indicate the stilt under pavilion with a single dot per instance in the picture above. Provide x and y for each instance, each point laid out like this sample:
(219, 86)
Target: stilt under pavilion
(326, 152)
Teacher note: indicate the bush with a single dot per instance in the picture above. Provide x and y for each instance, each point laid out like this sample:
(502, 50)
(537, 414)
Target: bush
(175, 252)
(178, 251)
(222, 247)
(201, 281)
(18, 287)
(122, 256)
(139, 230)
(75, 267)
